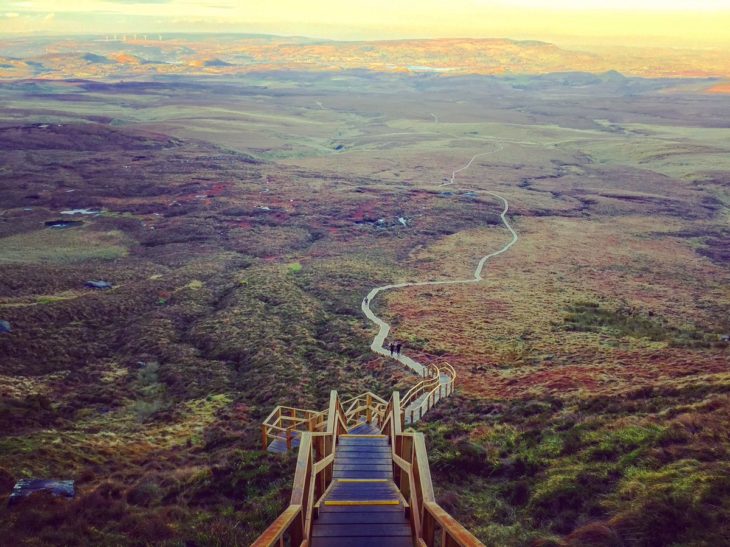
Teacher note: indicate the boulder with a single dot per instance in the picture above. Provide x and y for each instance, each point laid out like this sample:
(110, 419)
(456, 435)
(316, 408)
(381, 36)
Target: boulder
(98, 285)
(26, 487)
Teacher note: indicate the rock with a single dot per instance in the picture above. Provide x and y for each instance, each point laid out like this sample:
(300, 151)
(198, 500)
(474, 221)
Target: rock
(62, 224)
(26, 487)
(5, 327)
(98, 285)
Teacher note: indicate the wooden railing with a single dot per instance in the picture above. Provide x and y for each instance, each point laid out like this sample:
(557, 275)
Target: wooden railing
(312, 477)
(284, 422)
(366, 407)
(319, 432)
(431, 380)
(430, 523)
(438, 385)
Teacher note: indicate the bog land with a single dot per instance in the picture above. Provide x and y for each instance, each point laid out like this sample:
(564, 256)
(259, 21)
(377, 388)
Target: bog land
(242, 219)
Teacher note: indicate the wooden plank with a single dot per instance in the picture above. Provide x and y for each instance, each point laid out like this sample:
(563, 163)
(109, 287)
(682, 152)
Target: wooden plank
(361, 517)
(384, 484)
(399, 541)
(363, 458)
(424, 472)
(381, 450)
(323, 463)
(362, 509)
(362, 475)
(361, 480)
(373, 465)
(304, 461)
(363, 497)
(380, 493)
(329, 503)
(370, 530)
(367, 486)
(362, 465)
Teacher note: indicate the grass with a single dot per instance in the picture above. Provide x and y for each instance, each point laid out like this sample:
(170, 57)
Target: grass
(63, 246)
(592, 317)
(647, 478)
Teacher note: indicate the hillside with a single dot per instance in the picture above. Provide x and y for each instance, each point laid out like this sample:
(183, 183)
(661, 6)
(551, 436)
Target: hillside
(240, 223)
(109, 59)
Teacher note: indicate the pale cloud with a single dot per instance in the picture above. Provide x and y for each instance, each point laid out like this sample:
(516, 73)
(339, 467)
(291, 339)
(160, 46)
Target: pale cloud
(137, 1)
(12, 15)
(690, 22)
(611, 5)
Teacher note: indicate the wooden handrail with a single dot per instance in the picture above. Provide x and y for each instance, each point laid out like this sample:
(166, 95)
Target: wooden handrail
(433, 377)
(312, 477)
(317, 448)
(431, 524)
(283, 523)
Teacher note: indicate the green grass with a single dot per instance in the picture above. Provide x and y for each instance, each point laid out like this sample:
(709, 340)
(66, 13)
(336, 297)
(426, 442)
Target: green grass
(63, 246)
(625, 322)
(644, 471)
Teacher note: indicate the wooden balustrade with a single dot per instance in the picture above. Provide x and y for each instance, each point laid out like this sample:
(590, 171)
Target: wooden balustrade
(430, 523)
(312, 477)
(319, 431)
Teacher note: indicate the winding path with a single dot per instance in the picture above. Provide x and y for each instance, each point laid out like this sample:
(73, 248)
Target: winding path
(384, 328)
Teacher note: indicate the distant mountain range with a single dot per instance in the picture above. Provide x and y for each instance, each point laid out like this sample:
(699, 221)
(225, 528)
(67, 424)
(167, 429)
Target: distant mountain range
(106, 58)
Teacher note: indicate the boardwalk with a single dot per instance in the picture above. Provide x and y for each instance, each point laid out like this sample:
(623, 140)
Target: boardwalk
(363, 507)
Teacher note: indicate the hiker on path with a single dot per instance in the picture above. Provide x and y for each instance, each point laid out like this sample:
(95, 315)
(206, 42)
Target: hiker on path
(397, 349)
(392, 349)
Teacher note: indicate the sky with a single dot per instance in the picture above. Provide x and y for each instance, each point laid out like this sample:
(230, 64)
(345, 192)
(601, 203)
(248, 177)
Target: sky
(684, 23)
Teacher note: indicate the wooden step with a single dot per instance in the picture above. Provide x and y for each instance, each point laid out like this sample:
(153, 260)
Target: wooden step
(383, 443)
(366, 464)
(398, 541)
(363, 474)
(369, 530)
(362, 509)
(361, 480)
(373, 494)
(363, 449)
(361, 517)
(364, 502)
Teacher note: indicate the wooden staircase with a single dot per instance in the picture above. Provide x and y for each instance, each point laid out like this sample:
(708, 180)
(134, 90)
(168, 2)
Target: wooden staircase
(363, 505)
(361, 480)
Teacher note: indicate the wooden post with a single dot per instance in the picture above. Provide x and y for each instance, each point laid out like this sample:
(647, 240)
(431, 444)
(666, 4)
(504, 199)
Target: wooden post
(288, 439)
(429, 530)
(297, 530)
(264, 437)
(369, 411)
